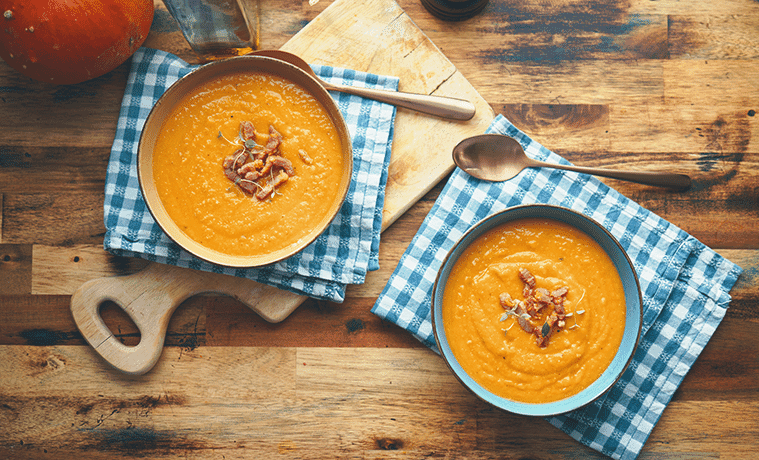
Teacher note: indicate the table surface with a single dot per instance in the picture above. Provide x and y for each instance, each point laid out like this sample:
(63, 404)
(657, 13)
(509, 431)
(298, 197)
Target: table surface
(668, 85)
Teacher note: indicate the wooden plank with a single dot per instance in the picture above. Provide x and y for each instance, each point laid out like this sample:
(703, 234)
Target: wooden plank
(694, 7)
(15, 268)
(33, 170)
(567, 32)
(318, 402)
(628, 128)
(62, 270)
(572, 82)
(724, 36)
(53, 218)
(222, 321)
(713, 437)
(705, 128)
(721, 83)
(31, 107)
(313, 324)
(39, 320)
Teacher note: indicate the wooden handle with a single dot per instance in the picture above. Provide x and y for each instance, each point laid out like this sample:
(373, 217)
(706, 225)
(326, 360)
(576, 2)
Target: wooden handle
(150, 297)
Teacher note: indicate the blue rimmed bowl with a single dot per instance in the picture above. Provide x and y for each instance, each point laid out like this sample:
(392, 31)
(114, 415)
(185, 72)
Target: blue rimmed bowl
(630, 284)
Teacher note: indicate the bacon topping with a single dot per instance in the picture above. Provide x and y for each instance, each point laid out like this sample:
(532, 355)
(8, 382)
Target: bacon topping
(258, 170)
(528, 311)
(247, 131)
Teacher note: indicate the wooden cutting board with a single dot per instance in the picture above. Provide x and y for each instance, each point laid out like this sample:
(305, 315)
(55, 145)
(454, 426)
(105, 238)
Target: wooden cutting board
(374, 36)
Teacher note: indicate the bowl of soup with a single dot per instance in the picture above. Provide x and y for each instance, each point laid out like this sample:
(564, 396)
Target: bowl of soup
(245, 161)
(537, 310)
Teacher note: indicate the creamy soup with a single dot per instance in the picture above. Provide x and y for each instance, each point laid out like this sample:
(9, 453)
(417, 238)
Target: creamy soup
(534, 310)
(208, 195)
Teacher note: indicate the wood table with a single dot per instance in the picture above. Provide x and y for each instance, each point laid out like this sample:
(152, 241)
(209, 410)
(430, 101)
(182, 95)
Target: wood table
(623, 84)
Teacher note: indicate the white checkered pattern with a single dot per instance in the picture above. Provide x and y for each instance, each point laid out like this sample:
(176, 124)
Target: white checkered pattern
(685, 287)
(342, 255)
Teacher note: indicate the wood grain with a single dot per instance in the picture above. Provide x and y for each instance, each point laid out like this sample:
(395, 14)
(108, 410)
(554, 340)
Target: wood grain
(47, 218)
(421, 69)
(311, 396)
(619, 83)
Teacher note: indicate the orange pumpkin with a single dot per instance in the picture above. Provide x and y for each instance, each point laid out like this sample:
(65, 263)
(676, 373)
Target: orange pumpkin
(69, 41)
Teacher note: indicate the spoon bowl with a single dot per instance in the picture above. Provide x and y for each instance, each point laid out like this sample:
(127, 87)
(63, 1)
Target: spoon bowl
(495, 158)
(444, 107)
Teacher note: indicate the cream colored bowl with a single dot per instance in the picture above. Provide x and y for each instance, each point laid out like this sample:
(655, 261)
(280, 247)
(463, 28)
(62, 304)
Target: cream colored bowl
(173, 96)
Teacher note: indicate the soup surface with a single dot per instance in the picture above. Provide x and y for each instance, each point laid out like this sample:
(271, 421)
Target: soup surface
(211, 124)
(534, 310)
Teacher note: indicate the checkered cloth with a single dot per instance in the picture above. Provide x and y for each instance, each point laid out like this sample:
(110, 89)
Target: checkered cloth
(342, 255)
(685, 287)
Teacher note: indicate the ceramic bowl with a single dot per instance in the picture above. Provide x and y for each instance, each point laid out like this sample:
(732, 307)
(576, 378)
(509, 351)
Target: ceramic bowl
(633, 302)
(173, 96)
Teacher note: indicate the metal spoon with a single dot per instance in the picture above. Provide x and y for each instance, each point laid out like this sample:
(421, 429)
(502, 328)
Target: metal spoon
(495, 157)
(445, 107)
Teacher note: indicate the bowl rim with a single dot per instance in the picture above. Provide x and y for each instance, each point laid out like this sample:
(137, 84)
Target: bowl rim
(630, 340)
(176, 93)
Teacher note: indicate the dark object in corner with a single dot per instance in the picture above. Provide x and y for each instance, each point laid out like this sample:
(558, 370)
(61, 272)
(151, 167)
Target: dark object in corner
(454, 10)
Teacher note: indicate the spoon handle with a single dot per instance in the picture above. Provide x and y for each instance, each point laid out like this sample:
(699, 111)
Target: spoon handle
(659, 179)
(445, 107)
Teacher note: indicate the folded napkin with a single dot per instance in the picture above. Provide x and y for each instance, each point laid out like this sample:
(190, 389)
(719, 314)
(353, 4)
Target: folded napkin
(342, 255)
(685, 287)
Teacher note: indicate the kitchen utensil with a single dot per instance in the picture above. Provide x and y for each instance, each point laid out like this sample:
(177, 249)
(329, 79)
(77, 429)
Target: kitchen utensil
(150, 297)
(495, 158)
(445, 107)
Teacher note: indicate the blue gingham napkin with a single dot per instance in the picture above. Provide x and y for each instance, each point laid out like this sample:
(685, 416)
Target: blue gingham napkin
(342, 255)
(685, 287)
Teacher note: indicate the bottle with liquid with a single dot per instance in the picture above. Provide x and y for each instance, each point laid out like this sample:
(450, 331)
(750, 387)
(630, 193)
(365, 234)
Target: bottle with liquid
(454, 10)
(216, 29)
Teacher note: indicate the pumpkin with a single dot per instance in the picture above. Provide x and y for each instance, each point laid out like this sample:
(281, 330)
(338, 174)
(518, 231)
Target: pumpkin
(69, 41)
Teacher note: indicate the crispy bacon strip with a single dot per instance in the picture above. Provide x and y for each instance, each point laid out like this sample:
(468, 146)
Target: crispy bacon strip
(247, 131)
(250, 165)
(275, 139)
(282, 163)
(268, 189)
(523, 322)
(233, 162)
(535, 300)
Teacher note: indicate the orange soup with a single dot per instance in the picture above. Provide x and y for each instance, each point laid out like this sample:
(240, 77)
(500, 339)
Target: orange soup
(534, 310)
(198, 164)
